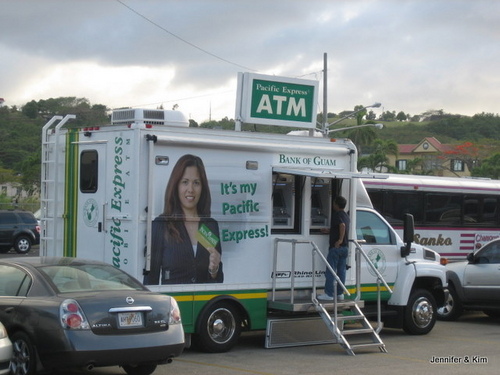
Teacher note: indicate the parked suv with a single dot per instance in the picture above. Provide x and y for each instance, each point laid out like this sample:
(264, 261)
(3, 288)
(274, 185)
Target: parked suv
(474, 284)
(18, 229)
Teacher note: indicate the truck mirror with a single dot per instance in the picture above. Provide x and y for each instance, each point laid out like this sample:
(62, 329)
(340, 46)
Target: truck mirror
(408, 233)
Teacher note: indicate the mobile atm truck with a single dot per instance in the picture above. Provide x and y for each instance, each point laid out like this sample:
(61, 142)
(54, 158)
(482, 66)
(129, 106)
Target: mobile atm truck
(104, 190)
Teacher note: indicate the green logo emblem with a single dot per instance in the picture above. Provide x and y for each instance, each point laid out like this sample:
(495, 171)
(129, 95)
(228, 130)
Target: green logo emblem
(90, 212)
(378, 259)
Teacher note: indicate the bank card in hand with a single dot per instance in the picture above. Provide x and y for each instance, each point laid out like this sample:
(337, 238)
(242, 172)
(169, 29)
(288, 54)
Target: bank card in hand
(206, 237)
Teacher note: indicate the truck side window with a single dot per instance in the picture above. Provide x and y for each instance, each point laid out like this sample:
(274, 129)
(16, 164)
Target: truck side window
(372, 229)
(88, 171)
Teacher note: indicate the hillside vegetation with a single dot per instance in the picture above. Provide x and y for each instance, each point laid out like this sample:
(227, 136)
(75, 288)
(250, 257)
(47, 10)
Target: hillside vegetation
(20, 133)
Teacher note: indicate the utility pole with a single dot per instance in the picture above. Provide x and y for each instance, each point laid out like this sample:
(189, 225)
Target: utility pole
(325, 104)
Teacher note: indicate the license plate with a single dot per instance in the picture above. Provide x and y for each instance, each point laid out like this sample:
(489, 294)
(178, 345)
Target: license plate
(130, 319)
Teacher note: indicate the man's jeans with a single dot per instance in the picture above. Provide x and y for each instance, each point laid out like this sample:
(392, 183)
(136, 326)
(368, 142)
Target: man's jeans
(337, 259)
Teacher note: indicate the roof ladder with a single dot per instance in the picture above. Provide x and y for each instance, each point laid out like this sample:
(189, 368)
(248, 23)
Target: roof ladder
(50, 180)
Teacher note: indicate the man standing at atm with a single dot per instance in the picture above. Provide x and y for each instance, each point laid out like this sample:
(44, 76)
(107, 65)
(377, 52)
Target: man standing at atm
(338, 249)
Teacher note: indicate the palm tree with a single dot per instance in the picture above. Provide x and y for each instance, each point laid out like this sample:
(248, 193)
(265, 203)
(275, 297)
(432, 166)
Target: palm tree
(378, 160)
(362, 137)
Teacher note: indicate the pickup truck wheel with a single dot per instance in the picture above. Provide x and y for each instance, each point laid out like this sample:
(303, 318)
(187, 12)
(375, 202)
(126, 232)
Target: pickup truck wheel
(219, 328)
(420, 313)
(452, 307)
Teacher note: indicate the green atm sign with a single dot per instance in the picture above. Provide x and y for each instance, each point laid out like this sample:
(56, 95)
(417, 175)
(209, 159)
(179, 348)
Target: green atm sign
(278, 101)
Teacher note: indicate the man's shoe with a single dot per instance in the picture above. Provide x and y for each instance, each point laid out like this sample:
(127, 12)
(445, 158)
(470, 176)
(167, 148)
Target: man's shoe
(340, 297)
(325, 297)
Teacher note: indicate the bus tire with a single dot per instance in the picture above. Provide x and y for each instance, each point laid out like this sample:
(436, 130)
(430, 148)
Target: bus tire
(219, 328)
(420, 313)
(452, 308)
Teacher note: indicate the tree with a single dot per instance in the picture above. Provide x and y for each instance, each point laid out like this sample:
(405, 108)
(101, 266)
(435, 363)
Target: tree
(387, 116)
(378, 160)
(30, 109)
(468, 152)
(30, 173)
(371, 116)
(193, 124)
(362, 137)
(7, 175)
(401, 116)
(490, 168)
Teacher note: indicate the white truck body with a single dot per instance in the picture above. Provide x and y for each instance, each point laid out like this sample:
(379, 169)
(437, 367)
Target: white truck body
(102, 188)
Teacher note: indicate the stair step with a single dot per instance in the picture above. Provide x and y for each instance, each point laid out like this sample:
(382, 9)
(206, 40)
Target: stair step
(349, 317)
(379, 345)
(357, 331)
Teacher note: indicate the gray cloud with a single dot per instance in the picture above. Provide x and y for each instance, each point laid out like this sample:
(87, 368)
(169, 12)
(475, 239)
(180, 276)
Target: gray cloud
(409, 55)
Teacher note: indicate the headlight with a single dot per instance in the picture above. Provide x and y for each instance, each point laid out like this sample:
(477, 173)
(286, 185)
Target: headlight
(429, 254)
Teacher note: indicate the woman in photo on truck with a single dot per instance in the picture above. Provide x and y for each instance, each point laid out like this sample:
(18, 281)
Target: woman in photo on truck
(185, 244)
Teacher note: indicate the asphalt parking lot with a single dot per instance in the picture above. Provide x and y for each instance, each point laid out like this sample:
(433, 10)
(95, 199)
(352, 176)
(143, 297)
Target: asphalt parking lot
(469, 345)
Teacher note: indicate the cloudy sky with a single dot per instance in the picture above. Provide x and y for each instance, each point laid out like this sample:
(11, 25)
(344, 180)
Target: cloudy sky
(411, 56)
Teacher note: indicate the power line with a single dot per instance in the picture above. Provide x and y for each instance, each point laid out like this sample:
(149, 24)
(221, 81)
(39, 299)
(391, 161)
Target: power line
(179, 99)
(181, 39)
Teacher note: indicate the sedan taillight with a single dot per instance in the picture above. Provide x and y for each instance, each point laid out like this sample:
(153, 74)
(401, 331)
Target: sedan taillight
(175, 313)
(72, 316)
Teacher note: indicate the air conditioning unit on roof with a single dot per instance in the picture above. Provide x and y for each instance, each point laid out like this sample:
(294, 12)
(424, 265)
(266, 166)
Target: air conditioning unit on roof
(149, 116)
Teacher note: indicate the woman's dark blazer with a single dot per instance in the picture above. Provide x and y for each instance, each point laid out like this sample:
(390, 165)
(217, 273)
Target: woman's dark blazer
(175, 261)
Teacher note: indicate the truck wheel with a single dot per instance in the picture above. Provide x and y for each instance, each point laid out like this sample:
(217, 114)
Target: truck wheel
(420, 313)
(22, 244)
(452, 307)
(219, 328)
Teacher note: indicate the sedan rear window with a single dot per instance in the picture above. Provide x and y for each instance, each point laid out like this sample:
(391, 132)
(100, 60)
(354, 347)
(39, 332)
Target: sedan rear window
(88, 277)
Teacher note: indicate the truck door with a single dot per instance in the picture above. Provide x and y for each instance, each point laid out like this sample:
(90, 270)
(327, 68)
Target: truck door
(481, 277)
(381, 247)
(91, 211)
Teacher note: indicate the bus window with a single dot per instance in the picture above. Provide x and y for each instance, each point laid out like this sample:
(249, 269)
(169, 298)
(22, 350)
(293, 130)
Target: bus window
(443, 208)
(471, 210)
(480, 210)
(393, 205)
(490, 211)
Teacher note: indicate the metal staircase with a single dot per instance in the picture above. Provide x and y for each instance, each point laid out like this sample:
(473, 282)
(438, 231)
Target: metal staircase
(351, 323)
(294, 322)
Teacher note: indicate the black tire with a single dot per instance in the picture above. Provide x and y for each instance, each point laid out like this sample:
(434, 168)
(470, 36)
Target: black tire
(141, 369)
(420, 313)
(22, 244)
(23, 360)
(452, 308)
(219, 328)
